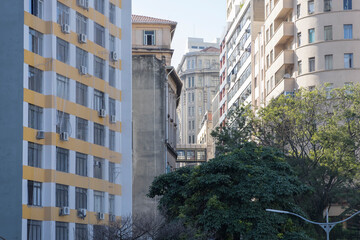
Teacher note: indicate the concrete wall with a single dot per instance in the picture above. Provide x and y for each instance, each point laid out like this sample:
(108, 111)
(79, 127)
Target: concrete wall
(149, 123)
(11, 117)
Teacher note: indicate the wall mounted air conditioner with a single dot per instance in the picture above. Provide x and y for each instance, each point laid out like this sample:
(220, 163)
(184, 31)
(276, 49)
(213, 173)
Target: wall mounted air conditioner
(81, 213)
(112, 218)
(113, 119)
(114, 56)
(65, 28)
(64, 211)
(84, 4)
(82, 38)
(83, 70)
(64, 136)
(102, 113)
(101, 216)
(40, 134)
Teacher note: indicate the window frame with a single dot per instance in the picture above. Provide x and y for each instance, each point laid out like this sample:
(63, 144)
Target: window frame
(99, 67)
(98, 201)
(34, 155)
(149, 37)
(99, 35)
(35, 79)
(81, 198)
(348, 60)
(348, 31)
(98, 170)
(81, 161)
(62, 14)
(312, 64)
(347, 4)
(34, 229)
(62, 159)
(311, 34)
(311, 7)
(62, 50)
(34, 193)
(81, 24)
(35, 117)
(36, 41)
(62, 87)
(329, 64)
(81, 94)
(62, 195)
(328, 36)
(82, 128)
(61, 231)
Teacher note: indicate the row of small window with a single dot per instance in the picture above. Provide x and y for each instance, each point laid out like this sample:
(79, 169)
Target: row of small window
(36, 8)
(328, 34)
(35, 120)
(191, 125)
(191, 111)
(35, 159)
(35, 78)
(347, 5)
(63, 55)
(191, 139)
(348, 63)
(191, 97)
(35, 193)
(192, 63)
(34, 230)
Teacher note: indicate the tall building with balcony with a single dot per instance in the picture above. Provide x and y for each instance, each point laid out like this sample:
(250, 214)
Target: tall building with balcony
(305, 44)
(199, 73)
(66, 143)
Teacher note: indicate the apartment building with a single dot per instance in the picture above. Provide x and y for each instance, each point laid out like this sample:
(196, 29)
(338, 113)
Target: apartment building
(199, 72)
(304, 44)
(66, 122)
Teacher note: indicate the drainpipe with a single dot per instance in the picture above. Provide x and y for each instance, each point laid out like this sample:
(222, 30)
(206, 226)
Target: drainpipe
(167, 116)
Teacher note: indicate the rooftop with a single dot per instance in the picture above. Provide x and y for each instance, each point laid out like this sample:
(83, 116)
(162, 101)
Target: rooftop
(150, 20)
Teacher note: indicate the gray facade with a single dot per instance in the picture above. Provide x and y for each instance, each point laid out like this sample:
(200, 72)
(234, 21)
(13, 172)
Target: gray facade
(11, 117)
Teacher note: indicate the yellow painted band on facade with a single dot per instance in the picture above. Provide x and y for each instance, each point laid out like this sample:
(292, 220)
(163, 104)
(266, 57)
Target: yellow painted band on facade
(52, 214)
(53, 176)
(48, 64)
(50, 101)
(55, 29)
(29, 134)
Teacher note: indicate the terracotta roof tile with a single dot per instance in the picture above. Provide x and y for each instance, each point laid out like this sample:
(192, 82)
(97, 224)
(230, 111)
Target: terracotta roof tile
(145, 19)
(210, 49)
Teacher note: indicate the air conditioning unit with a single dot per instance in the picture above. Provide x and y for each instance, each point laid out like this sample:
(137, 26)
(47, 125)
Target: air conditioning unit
(248, 49)
(287, 75)
(65, 28)
(40, 134)
(114, 56)
(97, 164)
(83, 70)
(84, 4)
(247, 30)
(82, 38)
(112, 218)
(64, 211)
(113, 119)
(64, 136)
(101, 216)
(102, 113)
(81, 213)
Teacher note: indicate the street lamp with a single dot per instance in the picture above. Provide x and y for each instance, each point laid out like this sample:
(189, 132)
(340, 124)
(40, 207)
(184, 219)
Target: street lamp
(326, 226)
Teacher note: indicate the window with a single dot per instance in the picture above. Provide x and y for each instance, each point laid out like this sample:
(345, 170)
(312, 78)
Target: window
(311, 8)
(193, 124)
(271, 56)
(35, 79)
(81, 128)
(99, 6)
(98, 167)
(36, 8)
(112, 108)
(62, 122)
(112, 140)
(298, 9)
(99, 100)
(328, 90)
(192, 81)
(311, 35)
(81, 24)
(99, 34)
(299, 39)
(62, 50)
(111, 172)
(62, 195)
(33, 230)
(200, 63)
(62, 231)
(189, 97)
(348, 60)
(35, 41)
(112, 13)
(328, 33)
(348, 31)
(327, 5)
(98, 201)
(347, 4)
(35, 116)
(111, 204)
(34, 154)
(81, 58)
(111, 76)
(62, 86)
(62, 159)
(311, 64)
(62, 14)
(34, 193)
(268, 61)
(328, 62)
(81, 231)
(99, 67)
(99, 134)
(81, 164)
(81, 94)
(149, 37)
(80, 198)
(267, 9)
(189, 128)
(112, 46)
(189, 140)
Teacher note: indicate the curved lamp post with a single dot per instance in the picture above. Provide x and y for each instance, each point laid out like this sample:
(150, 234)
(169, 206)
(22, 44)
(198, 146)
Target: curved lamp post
(326, 226)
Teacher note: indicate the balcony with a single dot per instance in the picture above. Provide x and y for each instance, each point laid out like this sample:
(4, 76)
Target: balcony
(285, 58)
(281, 9)
(283, 33)
(285, 85)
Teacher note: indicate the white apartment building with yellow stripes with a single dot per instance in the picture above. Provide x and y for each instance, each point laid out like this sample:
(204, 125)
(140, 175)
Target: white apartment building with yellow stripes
(65, 121)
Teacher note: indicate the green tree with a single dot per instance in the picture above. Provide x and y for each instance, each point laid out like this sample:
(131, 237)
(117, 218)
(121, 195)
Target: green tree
(319, 132)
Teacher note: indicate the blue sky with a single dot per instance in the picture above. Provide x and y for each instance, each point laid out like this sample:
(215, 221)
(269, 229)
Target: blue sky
(195, 18)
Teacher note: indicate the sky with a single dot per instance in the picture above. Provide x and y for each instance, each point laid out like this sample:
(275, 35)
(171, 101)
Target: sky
(195, 18)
